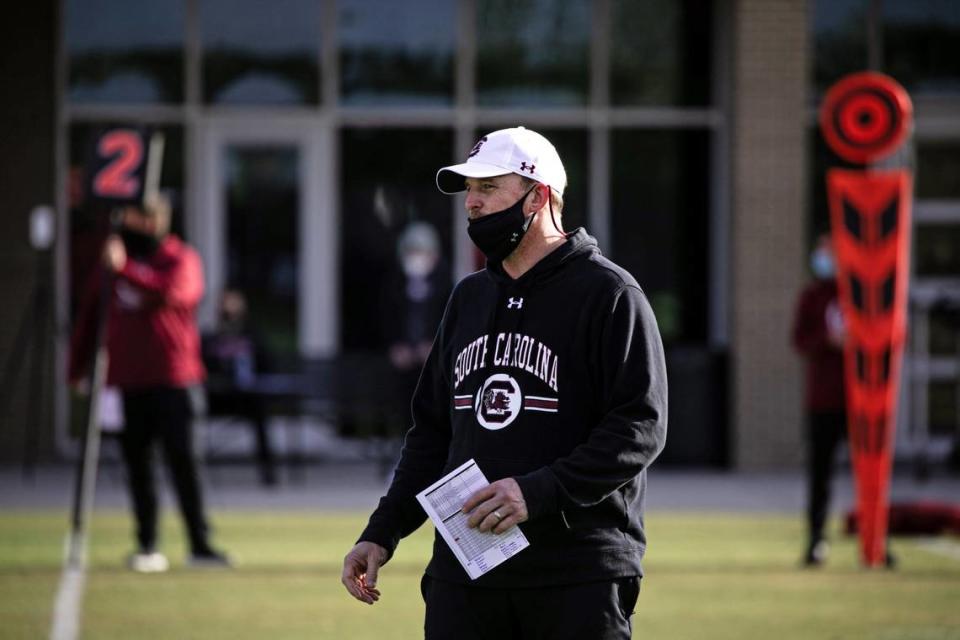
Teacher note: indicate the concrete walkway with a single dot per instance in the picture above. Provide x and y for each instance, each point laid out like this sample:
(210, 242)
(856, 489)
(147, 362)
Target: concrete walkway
(344, 473)
(357, 484)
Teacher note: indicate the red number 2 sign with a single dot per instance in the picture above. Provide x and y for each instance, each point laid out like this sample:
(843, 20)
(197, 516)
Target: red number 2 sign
(119, 178)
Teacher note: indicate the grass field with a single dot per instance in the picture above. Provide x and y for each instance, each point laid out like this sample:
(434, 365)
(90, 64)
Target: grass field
(717, 576)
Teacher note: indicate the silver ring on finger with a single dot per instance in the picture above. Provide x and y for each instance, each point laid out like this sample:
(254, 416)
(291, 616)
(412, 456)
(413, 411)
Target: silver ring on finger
(496, 514)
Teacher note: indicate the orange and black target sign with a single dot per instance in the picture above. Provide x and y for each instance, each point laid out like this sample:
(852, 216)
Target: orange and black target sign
(865, 117)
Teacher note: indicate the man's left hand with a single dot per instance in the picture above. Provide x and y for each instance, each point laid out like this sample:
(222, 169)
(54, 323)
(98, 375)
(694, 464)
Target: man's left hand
(496, 507)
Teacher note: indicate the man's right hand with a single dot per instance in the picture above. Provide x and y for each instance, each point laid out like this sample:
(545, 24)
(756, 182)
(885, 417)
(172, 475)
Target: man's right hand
(360, 568)
(114, 253)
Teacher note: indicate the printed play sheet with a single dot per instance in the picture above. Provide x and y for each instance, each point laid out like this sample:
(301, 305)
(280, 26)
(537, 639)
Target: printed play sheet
(477, 552)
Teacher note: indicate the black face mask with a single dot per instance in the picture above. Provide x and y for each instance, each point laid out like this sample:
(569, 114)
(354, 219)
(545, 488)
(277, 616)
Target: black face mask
(139, 245)
(498, 234)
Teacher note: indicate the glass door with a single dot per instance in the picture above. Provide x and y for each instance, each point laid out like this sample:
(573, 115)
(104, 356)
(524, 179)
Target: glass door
(265, 226)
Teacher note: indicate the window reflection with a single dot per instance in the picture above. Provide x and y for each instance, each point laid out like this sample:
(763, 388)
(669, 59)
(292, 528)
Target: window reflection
(944, 321)
(937, 249)
(397, 53)
(388, 182)
(921, 41)
(533, 52)
(660, 52)
(659, 223)
(942, 408)
(260, 52)
(125, 51)
(262, 191)
(938, 170)
(840, 40)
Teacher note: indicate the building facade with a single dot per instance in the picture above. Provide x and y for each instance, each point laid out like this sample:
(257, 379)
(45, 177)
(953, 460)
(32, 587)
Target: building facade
(301, 138)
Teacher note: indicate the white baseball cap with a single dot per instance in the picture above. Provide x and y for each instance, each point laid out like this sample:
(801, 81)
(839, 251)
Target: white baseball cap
(516, 150)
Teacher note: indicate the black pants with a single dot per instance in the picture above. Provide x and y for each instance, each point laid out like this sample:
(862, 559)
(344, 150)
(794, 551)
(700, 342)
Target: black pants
(162, 414)
(594, 610)
(825, 431)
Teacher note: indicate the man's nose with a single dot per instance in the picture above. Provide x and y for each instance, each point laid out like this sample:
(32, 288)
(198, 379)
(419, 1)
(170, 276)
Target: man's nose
(472, 202)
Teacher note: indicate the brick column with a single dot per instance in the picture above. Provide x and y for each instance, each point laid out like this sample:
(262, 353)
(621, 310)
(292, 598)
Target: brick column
(769, 151)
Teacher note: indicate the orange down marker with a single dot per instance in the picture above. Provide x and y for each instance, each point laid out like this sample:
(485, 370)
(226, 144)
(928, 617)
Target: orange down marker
(864, 118)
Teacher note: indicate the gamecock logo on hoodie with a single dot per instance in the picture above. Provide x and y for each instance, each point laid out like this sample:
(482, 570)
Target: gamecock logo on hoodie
(499, 401)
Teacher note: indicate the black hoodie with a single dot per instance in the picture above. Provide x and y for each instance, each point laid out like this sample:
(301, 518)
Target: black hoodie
(556, 379)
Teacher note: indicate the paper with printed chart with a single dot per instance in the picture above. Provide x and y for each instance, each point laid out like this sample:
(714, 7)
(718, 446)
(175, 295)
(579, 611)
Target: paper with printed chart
(478, 552)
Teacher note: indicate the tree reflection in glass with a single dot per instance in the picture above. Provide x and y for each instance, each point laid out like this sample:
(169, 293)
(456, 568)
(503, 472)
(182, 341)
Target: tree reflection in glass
(660, 213)
(840, 40)
(533, 52)
(125, 51)
(921, 45)
(398, 54)
(660, 52)
(260, 52)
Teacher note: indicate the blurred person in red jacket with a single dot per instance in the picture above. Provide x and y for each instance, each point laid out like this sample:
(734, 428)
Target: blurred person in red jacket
(818, 335)
(153, 349)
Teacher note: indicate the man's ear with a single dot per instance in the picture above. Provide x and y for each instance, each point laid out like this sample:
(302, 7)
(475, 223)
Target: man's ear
(542, 192)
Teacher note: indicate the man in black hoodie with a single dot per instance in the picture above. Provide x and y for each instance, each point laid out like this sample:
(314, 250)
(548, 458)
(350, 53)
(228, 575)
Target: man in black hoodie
(548, 370)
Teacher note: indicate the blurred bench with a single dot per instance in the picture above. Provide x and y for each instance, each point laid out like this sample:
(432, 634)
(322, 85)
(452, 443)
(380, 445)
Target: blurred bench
(357, 393)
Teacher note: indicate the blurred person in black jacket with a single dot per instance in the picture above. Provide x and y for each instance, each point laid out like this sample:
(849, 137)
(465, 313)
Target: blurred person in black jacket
(234, 355)
(413, 300)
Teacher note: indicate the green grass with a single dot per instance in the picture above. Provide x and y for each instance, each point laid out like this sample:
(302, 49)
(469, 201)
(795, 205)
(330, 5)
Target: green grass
(717, 576)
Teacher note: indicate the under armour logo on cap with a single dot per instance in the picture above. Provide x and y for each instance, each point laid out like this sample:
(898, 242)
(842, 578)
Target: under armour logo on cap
(519, 151)
(515, 303)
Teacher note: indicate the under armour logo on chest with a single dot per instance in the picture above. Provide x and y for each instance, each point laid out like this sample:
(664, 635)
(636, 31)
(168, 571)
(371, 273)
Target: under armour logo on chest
(515, 303)
(525, 167)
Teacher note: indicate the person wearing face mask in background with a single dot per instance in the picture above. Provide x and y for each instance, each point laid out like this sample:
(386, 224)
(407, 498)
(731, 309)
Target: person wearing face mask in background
(818, 334)
(548, 370)
(234, 355)
(153, 349)
(413, 299)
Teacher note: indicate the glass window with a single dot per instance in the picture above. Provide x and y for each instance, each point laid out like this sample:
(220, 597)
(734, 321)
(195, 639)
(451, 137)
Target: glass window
(260, 52)
(840, 40)
(938, 170)
(125, 51)
(921, 44)
(944, 320)
(533, 52)
(660, 223)
(388, 182)
(263, 203)
(942, 398)
(397, 53)
(937, 249)
(660, 52)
